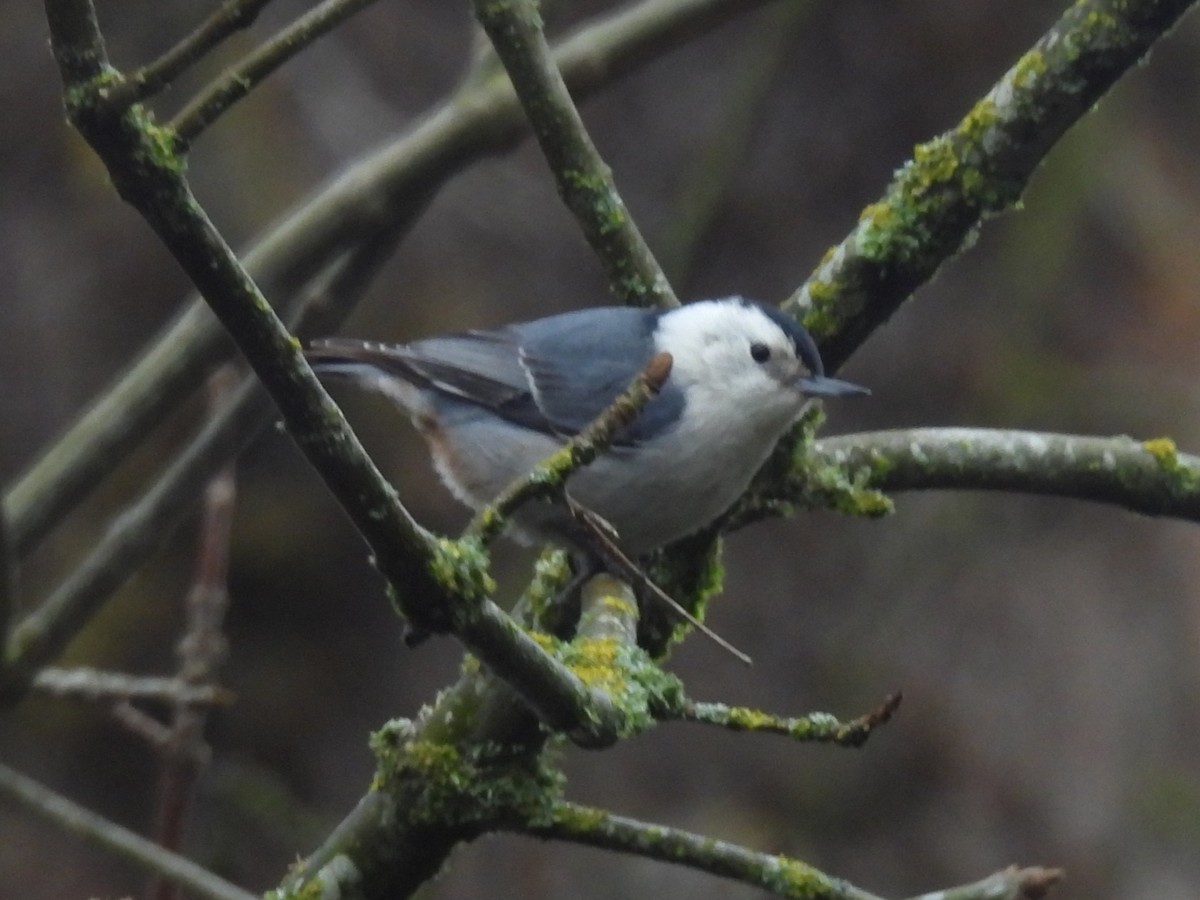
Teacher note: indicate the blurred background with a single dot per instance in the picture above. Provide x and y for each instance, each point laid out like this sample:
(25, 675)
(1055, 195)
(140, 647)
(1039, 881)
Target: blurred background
(1048, 651)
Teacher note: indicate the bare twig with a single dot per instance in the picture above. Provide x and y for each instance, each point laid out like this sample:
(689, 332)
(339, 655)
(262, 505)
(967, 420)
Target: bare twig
(8, 583)
(146, 524)
(156, 735)
(201, 651)
(1014, 883)
(83, 683)
(97, 830)
(549, 477)
(232, 16)
(585, 183)
(233, 85)
(779, 875)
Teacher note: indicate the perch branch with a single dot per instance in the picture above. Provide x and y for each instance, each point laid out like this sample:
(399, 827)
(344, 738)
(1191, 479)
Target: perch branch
(550, 476)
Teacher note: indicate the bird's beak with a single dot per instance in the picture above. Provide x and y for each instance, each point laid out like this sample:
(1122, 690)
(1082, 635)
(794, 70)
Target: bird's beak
(830, 387)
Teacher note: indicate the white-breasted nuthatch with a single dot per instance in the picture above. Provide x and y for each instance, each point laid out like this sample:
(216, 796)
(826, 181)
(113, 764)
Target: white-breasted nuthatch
(492, 404)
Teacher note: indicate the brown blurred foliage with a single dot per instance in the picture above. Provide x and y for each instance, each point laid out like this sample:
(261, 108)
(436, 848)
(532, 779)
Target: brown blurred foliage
(1049, 651)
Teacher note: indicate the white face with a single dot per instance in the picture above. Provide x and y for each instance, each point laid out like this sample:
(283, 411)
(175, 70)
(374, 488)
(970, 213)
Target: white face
(734, 360)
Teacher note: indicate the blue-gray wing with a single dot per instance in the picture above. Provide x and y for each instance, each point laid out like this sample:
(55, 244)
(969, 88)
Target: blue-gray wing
(579, 362)
(553, 375)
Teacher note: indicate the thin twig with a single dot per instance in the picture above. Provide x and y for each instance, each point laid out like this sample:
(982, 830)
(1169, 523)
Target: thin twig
(232, 16)
(779, 875)
(91, 685)
(217, 98)
(549, 477)
(585, 182)
(145, 525)
(100, 831)
(201, 651)
(157, 736)
(1013, 883)
(816, 727)
(8, 583)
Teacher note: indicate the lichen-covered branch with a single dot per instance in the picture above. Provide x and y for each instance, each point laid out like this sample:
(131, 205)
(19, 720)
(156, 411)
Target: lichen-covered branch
(1149, 477)
(474, 758)
(976, 170)
(97, 830)
(779, 875)
(585, 182)
(815, 727)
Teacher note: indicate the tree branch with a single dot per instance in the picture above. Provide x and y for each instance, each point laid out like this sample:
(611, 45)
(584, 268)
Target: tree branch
(145, 525)
(776, 874)
(384, 193)
(815, 727)
(974, 171)
(83, 683)
(232, 16)
(1148, 477)
(584, 181)
(100, 831)
(218, 97)
(779, 875)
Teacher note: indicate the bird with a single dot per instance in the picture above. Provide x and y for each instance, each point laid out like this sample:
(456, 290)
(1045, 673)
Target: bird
(491, 404)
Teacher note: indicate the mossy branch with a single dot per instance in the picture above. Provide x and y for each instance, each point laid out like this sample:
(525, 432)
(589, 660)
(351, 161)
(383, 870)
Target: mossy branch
(1150, 477)
(585, 182)
(977, 169)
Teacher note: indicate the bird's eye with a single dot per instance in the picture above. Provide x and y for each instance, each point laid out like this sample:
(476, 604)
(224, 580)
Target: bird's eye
(760, 353)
